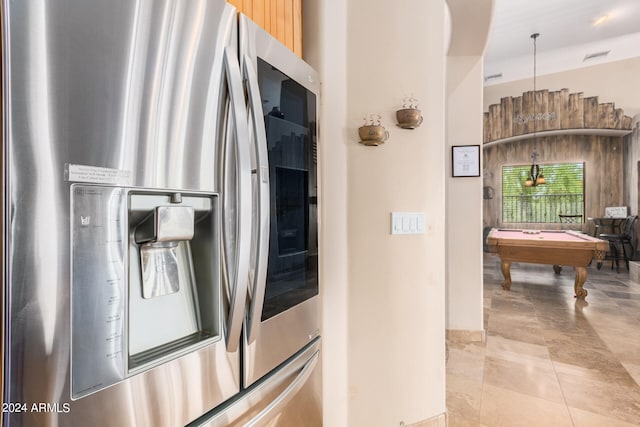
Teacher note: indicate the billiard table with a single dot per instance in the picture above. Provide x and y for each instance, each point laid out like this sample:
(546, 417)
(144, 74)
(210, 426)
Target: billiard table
(554, 247)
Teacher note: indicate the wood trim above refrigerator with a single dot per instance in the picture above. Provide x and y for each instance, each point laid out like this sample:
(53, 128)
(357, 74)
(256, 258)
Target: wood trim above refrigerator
(280, 18)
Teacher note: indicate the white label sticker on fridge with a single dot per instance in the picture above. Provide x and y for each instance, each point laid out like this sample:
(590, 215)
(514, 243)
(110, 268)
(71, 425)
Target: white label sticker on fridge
(97, 175)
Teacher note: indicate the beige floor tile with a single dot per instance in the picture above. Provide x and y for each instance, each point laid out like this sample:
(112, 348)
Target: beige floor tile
(466, 360)
(531, 377)
(623, 342)
(550, 359)
(463, 400)
(610, 399)
(507, 349)
(578, 371)
(589, 419)
(506, 408)
(515, 329)
(598, 364)
(634, 370)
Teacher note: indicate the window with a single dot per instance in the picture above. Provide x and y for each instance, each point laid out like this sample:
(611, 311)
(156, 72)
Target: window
(562, 194)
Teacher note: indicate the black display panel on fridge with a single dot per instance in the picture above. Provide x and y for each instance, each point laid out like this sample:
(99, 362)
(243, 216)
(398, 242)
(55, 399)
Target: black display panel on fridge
(290, 123)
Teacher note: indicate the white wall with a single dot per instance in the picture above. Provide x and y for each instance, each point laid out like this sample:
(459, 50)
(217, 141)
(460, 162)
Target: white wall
(470, 28)
(383, 295)
(396, 283)
(325, 32)
(464, 197)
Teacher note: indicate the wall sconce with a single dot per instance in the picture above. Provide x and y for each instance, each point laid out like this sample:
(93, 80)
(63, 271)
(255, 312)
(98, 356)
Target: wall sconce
(372, 133)
(410, 116)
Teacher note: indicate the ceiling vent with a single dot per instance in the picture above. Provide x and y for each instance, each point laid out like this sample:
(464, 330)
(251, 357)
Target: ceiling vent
(492, 77)
(594, 55)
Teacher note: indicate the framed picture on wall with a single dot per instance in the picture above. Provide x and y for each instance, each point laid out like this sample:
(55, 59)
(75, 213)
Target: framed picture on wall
(465, 160)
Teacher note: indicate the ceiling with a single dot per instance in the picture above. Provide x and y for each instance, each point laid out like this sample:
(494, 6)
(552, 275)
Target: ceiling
(568, 33)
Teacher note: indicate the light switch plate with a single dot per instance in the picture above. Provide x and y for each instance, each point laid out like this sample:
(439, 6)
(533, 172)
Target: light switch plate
(407, 223)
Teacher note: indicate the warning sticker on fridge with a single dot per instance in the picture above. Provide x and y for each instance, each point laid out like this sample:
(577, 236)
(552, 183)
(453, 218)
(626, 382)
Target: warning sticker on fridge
(97, 175)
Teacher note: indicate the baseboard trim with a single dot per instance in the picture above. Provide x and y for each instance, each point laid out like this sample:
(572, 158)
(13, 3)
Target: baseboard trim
(437, 421)
(464, 336)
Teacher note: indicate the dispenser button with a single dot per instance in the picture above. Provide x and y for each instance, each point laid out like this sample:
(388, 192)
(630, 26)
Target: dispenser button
(167, 224)
(174, 223)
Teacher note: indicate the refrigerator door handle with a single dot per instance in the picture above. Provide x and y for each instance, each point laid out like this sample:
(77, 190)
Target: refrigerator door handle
(287, 394)
(238, 290)
(260, 250)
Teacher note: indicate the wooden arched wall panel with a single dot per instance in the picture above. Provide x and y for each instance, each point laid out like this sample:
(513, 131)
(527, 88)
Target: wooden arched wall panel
(557, 110)
(568, 128)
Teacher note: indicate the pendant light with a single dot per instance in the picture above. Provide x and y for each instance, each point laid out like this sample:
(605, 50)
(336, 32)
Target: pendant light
(535, 177)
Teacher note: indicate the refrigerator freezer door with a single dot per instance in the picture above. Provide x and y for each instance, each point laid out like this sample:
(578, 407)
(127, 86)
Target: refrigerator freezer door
(288, 397)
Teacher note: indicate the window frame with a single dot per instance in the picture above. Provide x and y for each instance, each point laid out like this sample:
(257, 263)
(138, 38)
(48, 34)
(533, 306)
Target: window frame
(543, 203)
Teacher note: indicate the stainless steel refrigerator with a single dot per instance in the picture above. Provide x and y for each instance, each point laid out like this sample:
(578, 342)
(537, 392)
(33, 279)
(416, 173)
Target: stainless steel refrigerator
(160, 237)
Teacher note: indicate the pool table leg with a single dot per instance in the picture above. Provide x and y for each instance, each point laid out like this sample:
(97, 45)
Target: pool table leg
(581, 276)
(506, 272)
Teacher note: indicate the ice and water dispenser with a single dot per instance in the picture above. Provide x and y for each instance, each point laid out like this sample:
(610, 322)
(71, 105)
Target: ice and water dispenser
(145, 280)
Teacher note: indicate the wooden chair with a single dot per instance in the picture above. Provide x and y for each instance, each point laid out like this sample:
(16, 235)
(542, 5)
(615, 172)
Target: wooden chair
(571, 222)
(624, 240)
(570, 219)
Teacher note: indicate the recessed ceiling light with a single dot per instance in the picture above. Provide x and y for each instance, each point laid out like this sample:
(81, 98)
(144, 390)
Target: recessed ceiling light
(600, 20)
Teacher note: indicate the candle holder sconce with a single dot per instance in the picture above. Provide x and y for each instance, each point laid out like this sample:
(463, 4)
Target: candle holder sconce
(372, 133)
(410, 116)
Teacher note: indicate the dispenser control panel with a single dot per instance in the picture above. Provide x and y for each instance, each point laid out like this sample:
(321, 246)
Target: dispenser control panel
(98, 286)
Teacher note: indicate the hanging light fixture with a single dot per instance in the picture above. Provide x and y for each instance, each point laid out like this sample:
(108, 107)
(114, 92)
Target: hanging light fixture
(535, 177)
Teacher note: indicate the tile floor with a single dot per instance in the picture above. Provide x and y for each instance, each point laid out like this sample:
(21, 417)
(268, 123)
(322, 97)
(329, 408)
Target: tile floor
(549, 359)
